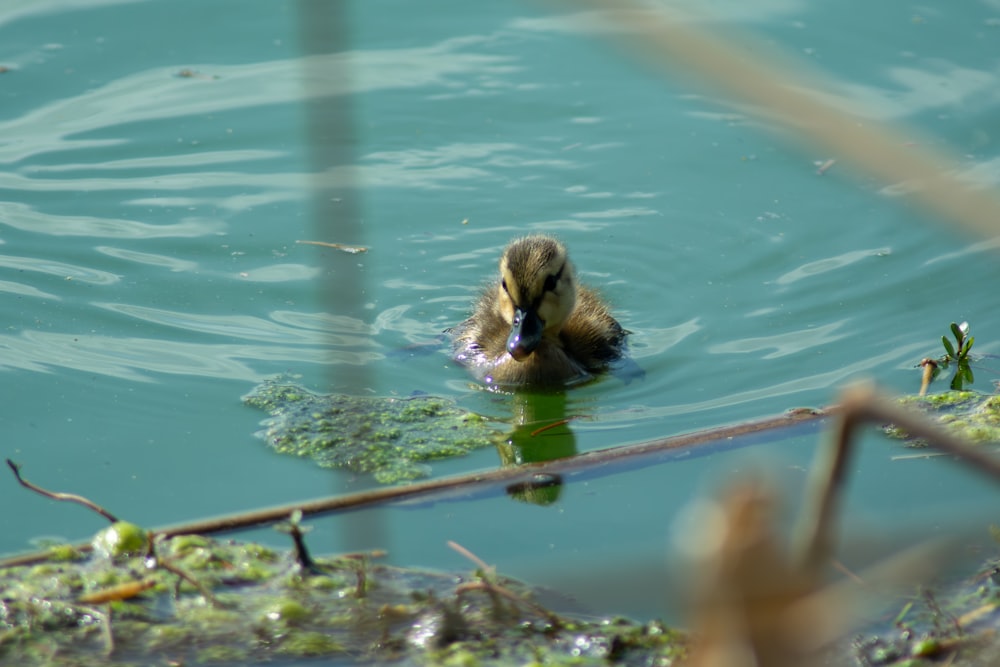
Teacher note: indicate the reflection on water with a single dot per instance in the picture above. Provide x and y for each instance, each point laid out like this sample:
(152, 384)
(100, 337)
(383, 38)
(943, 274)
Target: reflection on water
(541, 432)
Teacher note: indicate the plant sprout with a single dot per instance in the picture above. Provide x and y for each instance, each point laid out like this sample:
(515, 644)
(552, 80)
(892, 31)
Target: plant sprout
(958, 354)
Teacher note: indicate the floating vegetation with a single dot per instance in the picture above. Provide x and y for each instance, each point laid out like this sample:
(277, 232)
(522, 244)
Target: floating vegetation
(957, 354)
(265, 607)
(392, 438)
(957, 627)
(971, 415)
(133, 596)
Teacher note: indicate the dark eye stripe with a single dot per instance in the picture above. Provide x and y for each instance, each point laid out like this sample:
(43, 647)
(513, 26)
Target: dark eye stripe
(553, 280)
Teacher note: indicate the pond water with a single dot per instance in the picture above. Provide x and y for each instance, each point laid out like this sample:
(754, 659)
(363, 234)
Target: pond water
(159, 160)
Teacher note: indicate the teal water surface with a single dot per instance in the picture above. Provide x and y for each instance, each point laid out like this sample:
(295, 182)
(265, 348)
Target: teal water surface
(158, 165)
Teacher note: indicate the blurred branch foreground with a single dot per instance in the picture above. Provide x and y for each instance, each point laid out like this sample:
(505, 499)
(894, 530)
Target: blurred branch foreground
(776, 88)
(755, 604)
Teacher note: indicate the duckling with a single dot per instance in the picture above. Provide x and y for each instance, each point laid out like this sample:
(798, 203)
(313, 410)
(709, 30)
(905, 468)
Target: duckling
(538, 326)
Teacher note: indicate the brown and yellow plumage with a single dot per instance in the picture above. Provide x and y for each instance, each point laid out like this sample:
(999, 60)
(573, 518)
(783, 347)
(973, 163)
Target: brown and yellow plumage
(538, 326)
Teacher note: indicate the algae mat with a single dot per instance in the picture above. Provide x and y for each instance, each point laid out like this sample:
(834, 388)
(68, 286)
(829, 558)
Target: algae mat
(391, 438)
(970, 414)
(202, 601)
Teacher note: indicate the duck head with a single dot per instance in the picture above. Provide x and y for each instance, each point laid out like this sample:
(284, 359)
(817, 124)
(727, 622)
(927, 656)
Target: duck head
(537, 292)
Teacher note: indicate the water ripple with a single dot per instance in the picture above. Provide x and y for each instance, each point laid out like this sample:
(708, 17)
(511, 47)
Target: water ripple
(135, 358)
(23, 217)
(158, 93)
(652, 342)
(830, 264)
(793, 387)
(25, 290)
(338, 330)
(149, 259)
(54, 268)
(791, 342)
(161, 161)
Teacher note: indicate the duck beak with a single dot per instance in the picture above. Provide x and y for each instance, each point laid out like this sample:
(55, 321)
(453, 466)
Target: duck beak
(525, 333)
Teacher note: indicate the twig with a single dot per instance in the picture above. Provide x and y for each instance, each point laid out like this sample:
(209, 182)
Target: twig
(843, 569)
(861, 404)
(292, 528)
(496, 589)
(202, 588)
(120, 592)
(170, 567)
(558, 422)
(109, 635)
(930, 367)
(488, 570)
(593, 460)
(68, 497)
(305, 560)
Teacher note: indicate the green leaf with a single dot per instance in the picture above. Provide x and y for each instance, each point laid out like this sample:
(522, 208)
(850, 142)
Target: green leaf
(968, 345)
(948, 347)
(957, 332)
(968, 374)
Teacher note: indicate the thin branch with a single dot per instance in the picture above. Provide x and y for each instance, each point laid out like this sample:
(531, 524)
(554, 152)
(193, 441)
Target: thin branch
(202, 588)
(488, 570)
(558, 422)
(495, 589)
(862, 404)
(475, 481)
(68, 497)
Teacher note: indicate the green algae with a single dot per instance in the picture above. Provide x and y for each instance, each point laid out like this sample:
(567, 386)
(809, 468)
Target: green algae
(265, 608)
(969, 414)
(121, 539)
(956, 624)
(391, 438)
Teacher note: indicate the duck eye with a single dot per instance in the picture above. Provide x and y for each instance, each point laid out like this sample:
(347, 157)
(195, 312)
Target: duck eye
(503, 283)
(550, 283)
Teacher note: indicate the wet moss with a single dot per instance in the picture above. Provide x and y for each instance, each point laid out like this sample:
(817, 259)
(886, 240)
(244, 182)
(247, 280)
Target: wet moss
(391, 438)
(306, 644)
(955, 624)
(121, 539)
(972, 415)
(228, 654)
(288, 613)
(64, 553)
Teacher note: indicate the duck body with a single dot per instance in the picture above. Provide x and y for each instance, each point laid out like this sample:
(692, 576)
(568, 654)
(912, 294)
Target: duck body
(537, 326)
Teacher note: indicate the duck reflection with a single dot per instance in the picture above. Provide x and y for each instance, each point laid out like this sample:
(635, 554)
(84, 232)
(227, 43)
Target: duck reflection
(541, 433)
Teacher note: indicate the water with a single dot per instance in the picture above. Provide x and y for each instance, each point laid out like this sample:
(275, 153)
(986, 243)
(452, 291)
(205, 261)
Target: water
(155, 179)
